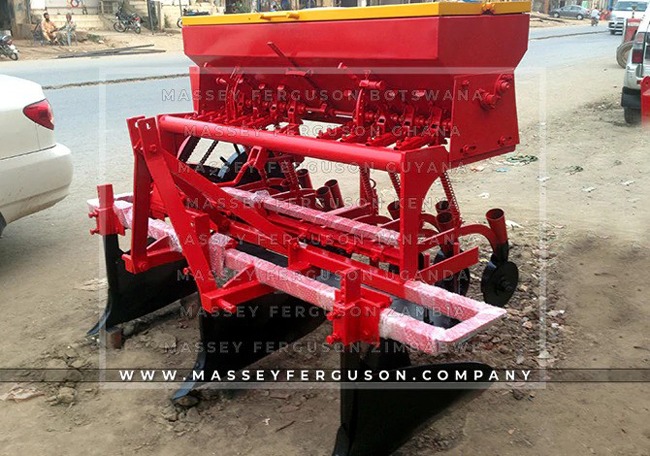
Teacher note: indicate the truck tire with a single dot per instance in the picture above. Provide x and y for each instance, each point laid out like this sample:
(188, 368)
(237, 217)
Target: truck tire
(632, 116)
(622, 52)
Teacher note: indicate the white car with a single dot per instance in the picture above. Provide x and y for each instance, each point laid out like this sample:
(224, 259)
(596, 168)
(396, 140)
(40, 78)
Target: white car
(625, 9)
(35, 171)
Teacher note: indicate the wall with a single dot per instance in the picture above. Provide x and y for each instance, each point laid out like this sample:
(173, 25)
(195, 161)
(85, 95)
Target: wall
(18, 10)
(64, 6)
(42, 4)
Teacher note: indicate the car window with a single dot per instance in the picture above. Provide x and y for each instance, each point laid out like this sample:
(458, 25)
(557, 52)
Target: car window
(629, 6)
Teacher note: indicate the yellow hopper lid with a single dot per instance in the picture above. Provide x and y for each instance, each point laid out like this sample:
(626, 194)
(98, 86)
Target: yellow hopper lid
(370, 12)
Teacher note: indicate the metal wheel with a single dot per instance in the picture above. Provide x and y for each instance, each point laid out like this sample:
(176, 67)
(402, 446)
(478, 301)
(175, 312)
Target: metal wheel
(229, 167)
(458, 283)
(556, 15)
(499, 282)
(580, 17)
(119, 26)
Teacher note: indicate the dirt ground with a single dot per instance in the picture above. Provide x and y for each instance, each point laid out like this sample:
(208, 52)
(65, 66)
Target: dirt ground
(579, 242)
(101, 41)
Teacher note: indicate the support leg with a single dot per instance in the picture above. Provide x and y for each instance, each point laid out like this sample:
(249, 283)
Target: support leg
(375, 422)
(134, 295)
(260, 327)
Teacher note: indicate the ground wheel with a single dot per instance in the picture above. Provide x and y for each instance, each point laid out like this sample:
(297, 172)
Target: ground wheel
(458, 283)
(215, 167)
(499, 282)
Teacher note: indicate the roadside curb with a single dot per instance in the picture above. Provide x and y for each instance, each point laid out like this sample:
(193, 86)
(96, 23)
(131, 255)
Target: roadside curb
(114, 81)
(591, 32)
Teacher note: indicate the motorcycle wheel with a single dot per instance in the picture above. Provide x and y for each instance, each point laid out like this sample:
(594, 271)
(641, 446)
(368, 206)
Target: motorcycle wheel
(137, 29)
(119, 26)
(13, 56)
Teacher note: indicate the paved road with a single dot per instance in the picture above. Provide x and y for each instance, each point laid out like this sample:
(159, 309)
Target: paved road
(82, 70)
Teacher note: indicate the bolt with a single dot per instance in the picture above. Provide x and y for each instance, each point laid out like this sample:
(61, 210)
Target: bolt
(333, 338)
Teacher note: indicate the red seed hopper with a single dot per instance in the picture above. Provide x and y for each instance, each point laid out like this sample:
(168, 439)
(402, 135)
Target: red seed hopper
(227, 196)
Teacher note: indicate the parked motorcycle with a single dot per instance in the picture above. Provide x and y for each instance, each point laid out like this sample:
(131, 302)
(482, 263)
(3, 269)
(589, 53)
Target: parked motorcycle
(125, 21)
(189, 12)
(7, 47)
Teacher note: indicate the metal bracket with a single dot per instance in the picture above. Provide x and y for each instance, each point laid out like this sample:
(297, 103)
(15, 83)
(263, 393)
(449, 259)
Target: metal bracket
(355, 317)
(107, 221)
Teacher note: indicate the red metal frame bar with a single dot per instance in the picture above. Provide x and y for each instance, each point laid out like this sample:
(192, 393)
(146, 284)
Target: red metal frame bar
(164, 185)
(380, 321)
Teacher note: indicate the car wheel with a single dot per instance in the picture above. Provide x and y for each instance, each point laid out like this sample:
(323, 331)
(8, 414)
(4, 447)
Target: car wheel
(556, 15)
(632, 116)
(622, 53)
(580, 17)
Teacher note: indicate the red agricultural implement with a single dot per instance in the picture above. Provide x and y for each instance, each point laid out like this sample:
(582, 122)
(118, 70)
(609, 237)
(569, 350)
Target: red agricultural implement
(406, 91)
